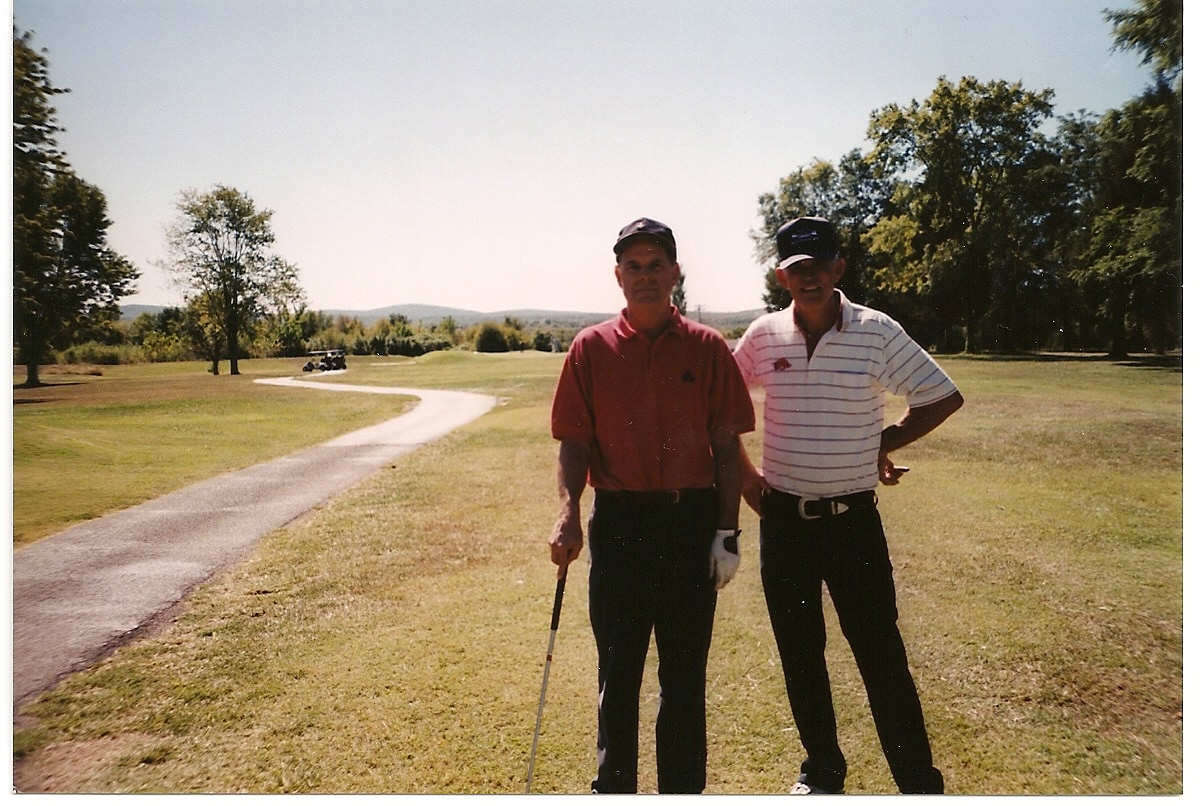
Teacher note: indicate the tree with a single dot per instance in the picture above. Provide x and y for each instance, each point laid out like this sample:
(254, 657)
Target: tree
(1155, 28)
(1131, 257)
(805, 191)
(287, 332)
(962, 228)
(450, 328)
(163, 336)
(679, 295)
(65, 276)
(204, 331)
(514, 334)
(218, 253)
(851, 194)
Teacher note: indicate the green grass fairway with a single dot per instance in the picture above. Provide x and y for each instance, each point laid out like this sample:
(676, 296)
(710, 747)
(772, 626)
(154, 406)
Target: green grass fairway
(86, 445)
(394, 640)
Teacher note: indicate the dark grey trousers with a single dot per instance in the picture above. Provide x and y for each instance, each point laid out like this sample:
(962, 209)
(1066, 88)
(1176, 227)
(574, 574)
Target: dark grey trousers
(649, 573)
(849, 553)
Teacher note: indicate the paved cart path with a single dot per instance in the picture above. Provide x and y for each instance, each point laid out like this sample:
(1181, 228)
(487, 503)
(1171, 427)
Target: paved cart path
(80, 594)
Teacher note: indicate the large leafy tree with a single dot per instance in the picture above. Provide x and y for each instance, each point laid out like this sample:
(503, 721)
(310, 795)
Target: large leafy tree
(851, 194)
(963, 228)
(65, 276)
(219, 253)
(1130, 261)
(1155, 28)
(1069, 182)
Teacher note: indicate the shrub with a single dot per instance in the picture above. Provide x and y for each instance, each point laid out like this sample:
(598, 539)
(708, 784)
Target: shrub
(158, 346)
(491, 339)
(418, 344)
(104, 354)
(515, 340)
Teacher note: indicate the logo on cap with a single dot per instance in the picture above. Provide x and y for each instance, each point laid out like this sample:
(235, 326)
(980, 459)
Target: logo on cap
(647, 226)
(804, 238)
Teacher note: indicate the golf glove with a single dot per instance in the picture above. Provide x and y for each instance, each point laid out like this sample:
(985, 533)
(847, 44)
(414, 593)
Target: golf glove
(724, 559)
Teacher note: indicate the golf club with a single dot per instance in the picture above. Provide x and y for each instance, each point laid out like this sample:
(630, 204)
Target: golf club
(537, 728)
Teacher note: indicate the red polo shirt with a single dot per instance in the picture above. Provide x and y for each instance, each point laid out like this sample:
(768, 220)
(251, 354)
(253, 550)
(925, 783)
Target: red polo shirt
(648, 410)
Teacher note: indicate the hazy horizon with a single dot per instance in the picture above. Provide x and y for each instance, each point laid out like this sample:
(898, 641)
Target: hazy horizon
(484, 155)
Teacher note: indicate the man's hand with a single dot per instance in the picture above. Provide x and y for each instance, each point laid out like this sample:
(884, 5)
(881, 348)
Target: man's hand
(566, 541)
(723, 560)
(753, 487)
(890, 473)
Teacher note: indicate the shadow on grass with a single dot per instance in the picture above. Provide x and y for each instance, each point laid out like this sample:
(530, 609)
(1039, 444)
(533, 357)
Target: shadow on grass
(1173, 361)
(21, 390)
(45, 385)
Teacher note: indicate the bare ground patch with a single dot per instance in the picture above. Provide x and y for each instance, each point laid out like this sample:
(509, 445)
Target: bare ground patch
(76, 767)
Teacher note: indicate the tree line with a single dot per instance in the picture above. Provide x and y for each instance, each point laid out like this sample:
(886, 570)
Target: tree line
(969, 219)
(982, 230)
(240, 298)
(175, 334)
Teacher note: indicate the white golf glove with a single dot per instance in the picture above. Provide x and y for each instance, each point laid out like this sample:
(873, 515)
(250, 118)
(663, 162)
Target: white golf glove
(724, 559)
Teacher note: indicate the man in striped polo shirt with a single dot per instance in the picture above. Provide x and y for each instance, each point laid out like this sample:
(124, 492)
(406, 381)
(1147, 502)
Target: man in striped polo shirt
(825, 364)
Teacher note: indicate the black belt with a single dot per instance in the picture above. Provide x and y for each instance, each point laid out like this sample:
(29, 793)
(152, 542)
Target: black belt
(812, 508)
(652, 498)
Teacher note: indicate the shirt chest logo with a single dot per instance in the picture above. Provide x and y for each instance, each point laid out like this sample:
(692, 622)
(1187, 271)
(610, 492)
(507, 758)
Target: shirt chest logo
(782, 364)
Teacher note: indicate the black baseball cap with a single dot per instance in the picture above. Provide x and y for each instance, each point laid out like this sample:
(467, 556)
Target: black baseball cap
(805, 238)
(649, 227)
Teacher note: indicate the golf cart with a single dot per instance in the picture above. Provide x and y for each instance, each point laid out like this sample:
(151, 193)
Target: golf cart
(324, 360)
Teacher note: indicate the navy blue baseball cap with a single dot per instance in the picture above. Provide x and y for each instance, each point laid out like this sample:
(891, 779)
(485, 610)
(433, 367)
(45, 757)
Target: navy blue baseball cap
(806, 238)
(647, 227)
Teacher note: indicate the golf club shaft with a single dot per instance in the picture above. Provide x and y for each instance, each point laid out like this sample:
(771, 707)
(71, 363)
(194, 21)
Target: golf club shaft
(537, 728)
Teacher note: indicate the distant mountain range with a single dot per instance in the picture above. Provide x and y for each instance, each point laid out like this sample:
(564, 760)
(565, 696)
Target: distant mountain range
(433, 314)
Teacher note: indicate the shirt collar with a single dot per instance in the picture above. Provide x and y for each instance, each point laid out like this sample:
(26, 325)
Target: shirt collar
(627, 331)
(841, 318)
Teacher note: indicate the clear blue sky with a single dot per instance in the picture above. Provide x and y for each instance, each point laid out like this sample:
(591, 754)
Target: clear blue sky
(483, 155)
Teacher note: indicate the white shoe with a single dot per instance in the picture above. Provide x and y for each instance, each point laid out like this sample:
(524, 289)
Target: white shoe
(802, 788)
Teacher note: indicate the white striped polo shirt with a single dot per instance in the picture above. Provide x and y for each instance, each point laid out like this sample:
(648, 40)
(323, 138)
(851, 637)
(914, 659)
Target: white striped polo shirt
(824, 416)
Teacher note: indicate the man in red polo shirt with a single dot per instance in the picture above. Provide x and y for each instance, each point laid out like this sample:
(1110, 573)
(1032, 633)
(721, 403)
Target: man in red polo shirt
(648, 410)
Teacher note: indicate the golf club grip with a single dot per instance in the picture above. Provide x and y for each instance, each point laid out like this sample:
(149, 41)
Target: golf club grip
(558, 597)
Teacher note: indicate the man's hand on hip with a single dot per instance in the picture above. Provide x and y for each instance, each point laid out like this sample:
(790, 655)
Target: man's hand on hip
(890, 473)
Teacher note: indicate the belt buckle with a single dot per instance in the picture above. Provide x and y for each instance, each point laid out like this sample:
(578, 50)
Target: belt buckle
(835, 508)
(802, 508)
(673, 496)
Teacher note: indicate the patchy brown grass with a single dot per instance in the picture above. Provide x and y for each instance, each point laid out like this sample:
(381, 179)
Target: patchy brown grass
(394, 641)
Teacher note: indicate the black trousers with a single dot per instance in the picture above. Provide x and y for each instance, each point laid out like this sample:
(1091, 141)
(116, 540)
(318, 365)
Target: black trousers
(849, 553)
(649, 573)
